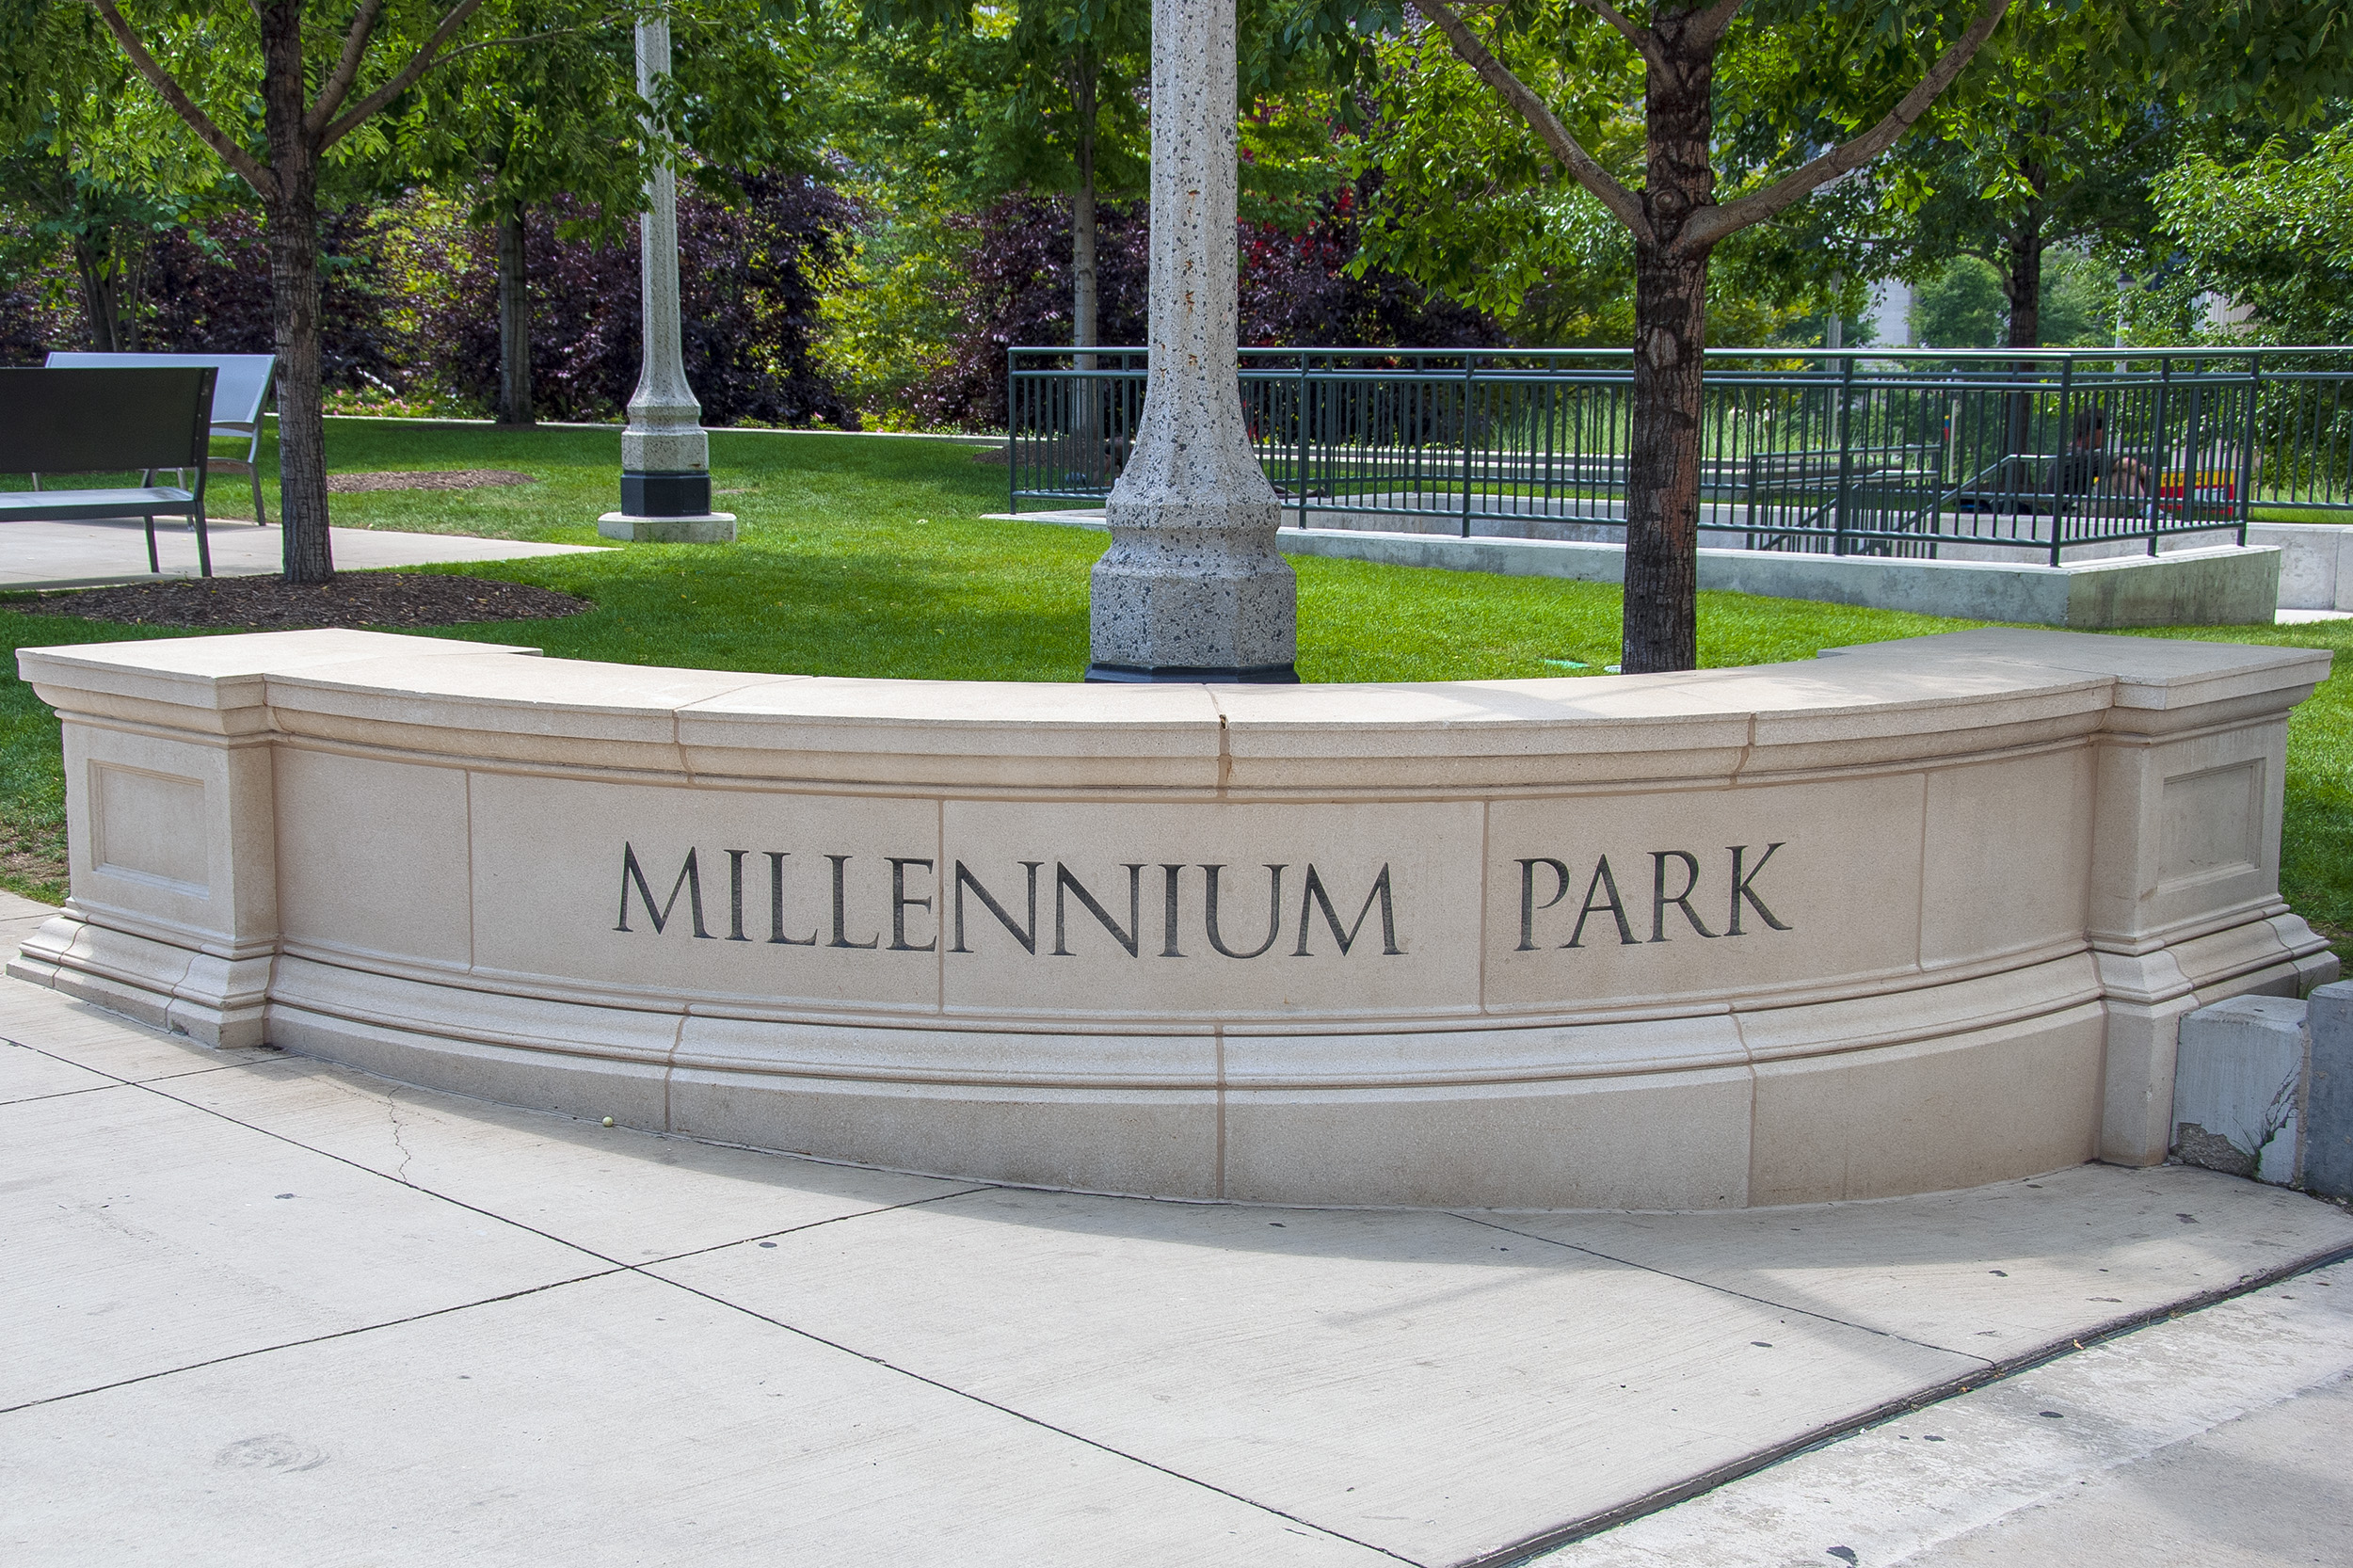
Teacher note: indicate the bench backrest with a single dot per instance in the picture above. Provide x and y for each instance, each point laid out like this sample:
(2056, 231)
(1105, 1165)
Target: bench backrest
(238, 393)
(86, 421)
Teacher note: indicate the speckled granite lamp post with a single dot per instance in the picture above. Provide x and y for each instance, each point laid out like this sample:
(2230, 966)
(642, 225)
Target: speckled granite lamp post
(666, 455)
(1192, 587)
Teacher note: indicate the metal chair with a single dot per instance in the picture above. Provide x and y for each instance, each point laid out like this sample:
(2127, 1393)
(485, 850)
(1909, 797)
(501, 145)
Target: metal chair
(96, 421)
(239, 392)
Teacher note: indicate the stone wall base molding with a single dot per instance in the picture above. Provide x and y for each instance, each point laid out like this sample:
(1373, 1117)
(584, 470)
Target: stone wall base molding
(217, 1001)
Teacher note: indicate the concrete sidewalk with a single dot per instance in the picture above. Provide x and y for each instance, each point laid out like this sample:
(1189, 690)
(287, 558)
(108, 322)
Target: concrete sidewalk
(107, 551)
(267, 1309)
(2217, 1439)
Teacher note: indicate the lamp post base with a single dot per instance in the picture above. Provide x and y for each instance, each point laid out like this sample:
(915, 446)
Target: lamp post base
(705, 528)
(1257, 675)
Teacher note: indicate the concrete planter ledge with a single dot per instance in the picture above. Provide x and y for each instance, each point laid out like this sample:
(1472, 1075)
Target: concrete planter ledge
(2216, 584)
(1915, 917)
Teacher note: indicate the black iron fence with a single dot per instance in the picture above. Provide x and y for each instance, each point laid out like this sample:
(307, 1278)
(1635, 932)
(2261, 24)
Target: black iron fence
(1867, 451)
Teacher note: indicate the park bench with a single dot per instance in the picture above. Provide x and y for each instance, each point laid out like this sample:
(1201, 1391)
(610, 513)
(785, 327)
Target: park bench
(238, 395)
(92, 420)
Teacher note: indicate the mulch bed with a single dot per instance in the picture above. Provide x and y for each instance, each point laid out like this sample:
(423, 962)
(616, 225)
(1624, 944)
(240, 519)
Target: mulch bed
(439, 479)
(273, 605)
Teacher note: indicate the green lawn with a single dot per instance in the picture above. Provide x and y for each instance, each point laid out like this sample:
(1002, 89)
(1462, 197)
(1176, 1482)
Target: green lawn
(864, 555)
(2335, 517)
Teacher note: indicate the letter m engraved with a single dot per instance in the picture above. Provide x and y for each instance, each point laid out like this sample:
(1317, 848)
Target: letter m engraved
(1316, 897)
(690, 878)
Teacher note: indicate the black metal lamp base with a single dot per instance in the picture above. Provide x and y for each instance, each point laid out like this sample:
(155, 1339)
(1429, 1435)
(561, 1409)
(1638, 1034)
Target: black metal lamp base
(1257, 675)
(666, 495)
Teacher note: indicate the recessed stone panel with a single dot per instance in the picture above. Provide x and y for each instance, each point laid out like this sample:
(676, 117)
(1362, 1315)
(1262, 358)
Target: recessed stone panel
(150, 827)
(372, 855)
(1228, 910)
(1999, 835)
(785, 898)
(1631, 899)
(2211, 825)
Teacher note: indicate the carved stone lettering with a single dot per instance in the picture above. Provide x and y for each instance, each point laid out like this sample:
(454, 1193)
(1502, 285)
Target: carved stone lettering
(689, 877)
(1742, 891)
(841, 900)
(1315, 896)
(1273, 912)
(1660, 901)
(917, 887)
(901, 903)
(1025, 933)
(1606, 885)
(775, 903)
(1682, 881)
(1126, 937)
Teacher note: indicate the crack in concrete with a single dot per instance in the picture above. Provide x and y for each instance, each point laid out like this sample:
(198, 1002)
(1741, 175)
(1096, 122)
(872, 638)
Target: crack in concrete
(391, 1109)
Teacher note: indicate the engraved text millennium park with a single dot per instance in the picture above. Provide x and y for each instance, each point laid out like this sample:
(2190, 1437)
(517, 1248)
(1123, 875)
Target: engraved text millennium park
(1159, 909)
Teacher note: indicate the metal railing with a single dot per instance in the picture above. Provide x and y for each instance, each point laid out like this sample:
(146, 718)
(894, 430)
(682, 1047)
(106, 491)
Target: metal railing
(1981, 454)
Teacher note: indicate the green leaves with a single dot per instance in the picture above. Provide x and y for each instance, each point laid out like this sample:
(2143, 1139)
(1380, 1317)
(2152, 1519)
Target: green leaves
(975, 105)
(2274, 231)
(2276, 59)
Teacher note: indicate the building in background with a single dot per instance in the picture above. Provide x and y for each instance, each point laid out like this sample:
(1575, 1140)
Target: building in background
(1890, 315)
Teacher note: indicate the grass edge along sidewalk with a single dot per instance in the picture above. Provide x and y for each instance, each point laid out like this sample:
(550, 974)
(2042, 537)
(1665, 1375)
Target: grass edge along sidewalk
(877, 558)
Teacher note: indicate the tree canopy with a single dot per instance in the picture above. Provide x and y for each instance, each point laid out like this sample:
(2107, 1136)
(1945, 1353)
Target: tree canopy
(960, 174)
(2273, 232)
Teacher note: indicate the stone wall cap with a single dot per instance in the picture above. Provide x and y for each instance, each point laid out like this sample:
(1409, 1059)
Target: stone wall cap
(967, 703)
(1925, 691)
(1952, 681)
(584, 684)
(973, 718)
(2149, 672)
(1766, 704)
(230, 671)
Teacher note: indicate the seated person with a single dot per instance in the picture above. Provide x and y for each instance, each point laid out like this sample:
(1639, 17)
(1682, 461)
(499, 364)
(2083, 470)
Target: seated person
(2087, 462)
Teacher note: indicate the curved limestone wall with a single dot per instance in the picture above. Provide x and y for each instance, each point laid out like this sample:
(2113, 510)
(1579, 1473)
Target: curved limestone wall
(1913, 916)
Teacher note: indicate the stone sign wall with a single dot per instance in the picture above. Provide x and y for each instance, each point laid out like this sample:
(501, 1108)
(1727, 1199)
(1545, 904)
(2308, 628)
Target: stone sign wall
(1914, 915)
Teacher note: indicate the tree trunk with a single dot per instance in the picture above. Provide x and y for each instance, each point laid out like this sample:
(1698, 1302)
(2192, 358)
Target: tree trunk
(2022, 287)
(1662, 504)
(293, 276)
(1087, 426)
(1083, 274)
(130, 291)
(514, 320)
(101, 302)
(1662, 500)
(1084, 298)
(294, 271)
(2022, 278)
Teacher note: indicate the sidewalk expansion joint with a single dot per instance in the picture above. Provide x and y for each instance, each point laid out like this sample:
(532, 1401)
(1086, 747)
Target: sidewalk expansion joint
(645, 1264)
(1726, 1291)
(1045, 1425)
(312, 1339)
